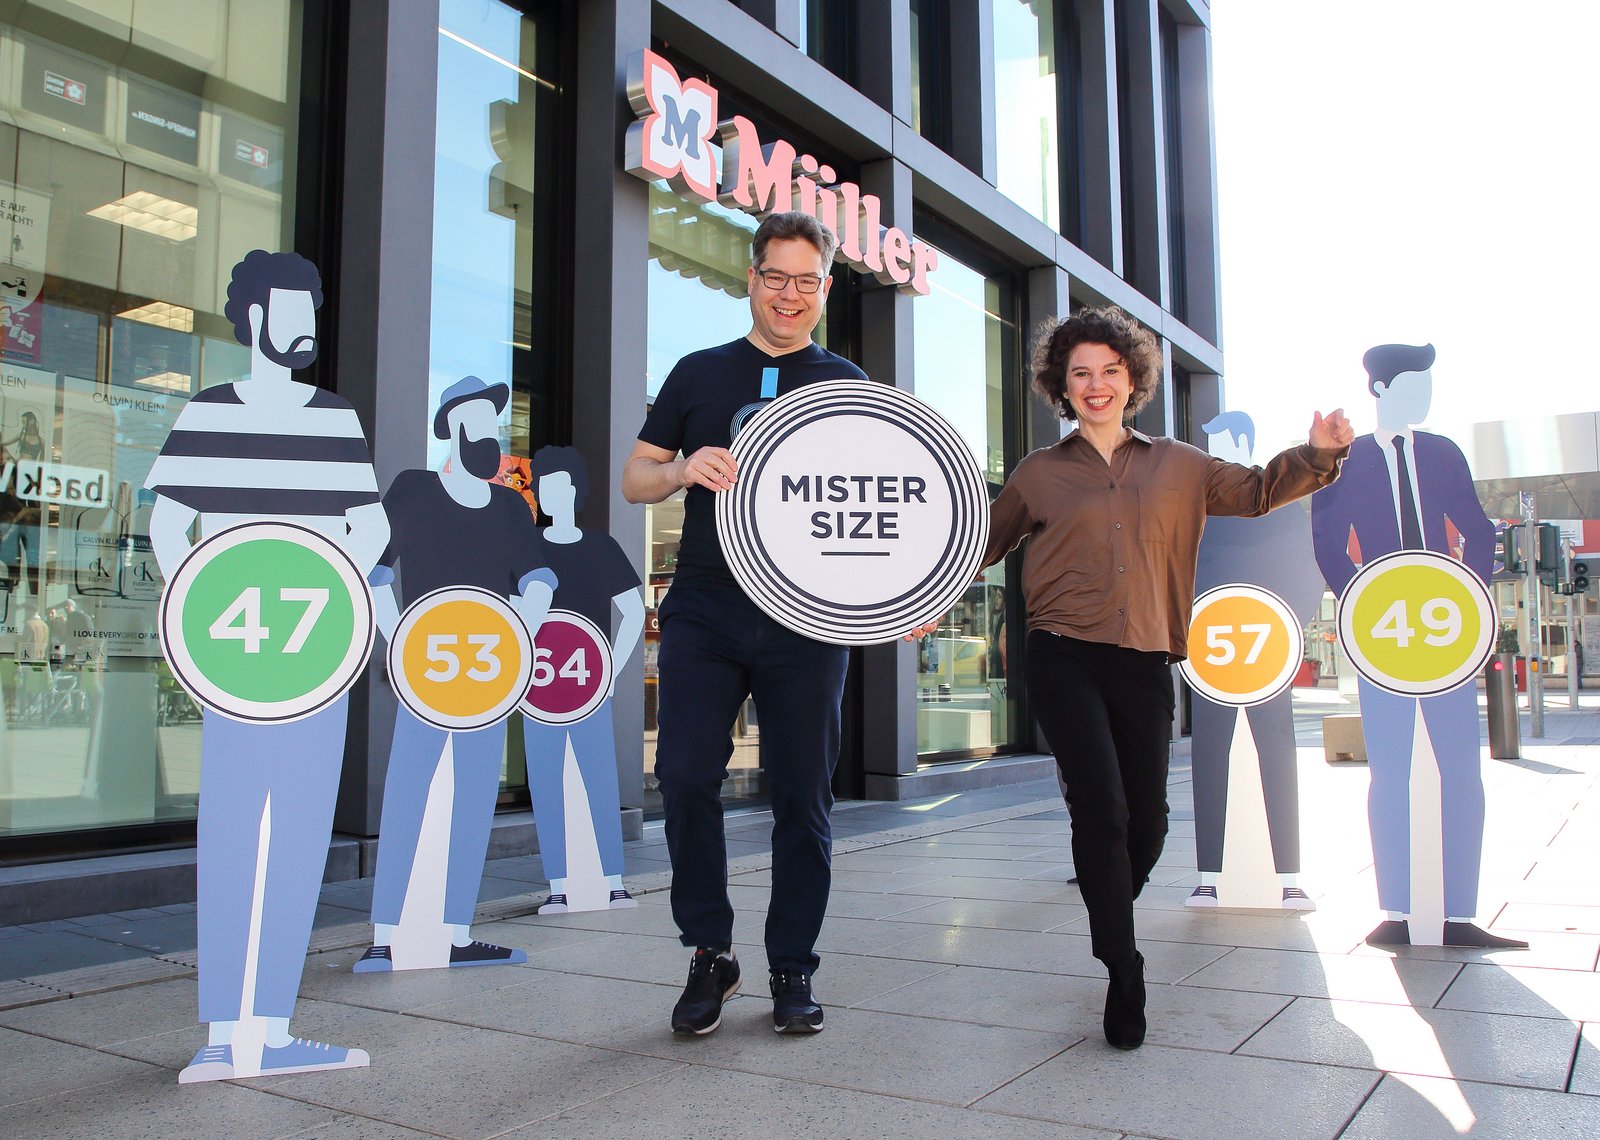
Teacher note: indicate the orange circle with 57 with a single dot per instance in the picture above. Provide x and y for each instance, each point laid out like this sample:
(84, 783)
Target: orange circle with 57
(1239, 645)
(461, 658)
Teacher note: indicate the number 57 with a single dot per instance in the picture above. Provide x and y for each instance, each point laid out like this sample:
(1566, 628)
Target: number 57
(1223, 650)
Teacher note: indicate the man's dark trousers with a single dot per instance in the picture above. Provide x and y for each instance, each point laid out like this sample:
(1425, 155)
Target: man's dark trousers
(717, 647)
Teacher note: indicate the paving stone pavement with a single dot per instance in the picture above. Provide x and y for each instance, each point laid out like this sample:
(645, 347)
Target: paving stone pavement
(962, 999)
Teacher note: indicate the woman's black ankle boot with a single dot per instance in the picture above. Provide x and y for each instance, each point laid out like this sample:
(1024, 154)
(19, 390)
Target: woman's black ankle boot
(1124, 1022)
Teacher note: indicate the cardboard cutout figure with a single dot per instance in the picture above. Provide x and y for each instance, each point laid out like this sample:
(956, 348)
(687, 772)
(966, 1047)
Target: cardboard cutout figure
(1274, 552)
(451, 529)
(1402, 489)
(267, 448)
(595, 577)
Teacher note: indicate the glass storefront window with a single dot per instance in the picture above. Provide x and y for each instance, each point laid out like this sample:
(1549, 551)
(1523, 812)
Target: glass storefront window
(965, 348)
(141, 156)
(1026, 140)
(493, 313)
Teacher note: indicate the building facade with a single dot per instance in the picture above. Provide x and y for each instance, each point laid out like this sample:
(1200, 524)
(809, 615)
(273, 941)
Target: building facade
(461, 171)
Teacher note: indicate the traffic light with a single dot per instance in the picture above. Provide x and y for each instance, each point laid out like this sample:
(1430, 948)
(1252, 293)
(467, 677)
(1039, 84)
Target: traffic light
(1549, 553)
(1579, 580)
(1508, 549)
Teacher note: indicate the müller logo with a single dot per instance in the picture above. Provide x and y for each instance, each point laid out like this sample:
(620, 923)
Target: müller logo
(679, 138)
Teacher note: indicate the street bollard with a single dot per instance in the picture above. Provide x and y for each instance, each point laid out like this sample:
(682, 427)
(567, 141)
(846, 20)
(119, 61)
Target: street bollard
(1500, 686)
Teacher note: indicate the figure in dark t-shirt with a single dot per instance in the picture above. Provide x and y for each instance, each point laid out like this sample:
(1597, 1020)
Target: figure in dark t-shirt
(450, 529)
(594, 576)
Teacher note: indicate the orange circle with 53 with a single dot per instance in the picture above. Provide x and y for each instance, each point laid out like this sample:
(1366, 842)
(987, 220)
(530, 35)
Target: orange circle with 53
(1239, 645)
(462, 658)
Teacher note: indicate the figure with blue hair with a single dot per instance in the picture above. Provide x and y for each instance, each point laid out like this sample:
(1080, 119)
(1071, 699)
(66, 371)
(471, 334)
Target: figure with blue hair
(1274, 552)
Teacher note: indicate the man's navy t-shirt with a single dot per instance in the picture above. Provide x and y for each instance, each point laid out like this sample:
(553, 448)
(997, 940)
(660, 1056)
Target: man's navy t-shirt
(696, 408)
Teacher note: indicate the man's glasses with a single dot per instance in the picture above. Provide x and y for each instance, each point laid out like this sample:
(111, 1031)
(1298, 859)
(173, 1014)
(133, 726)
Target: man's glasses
(777, 280)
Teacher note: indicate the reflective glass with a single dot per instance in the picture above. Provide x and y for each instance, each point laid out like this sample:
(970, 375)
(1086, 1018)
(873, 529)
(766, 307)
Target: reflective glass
(127, 199)
(964, 339)
(492, 314)
(1028, 167)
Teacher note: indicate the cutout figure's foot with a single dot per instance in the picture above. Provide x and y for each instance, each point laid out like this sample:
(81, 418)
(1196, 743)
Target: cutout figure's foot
(713, 979)
(555, 904)
(302, 1056)
(1466, 934)
(376, 960)
(1124, 1020)
(621, 900)
(1296, 899)
(477, 953)
(213, 1063)
(1390, 932)
(1202, 896)
(794, 1009)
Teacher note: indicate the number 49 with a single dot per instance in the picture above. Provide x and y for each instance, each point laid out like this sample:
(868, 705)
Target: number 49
(1440, 615)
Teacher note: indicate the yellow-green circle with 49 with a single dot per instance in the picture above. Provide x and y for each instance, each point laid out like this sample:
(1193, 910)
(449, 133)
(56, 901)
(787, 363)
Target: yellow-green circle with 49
(1416, 622)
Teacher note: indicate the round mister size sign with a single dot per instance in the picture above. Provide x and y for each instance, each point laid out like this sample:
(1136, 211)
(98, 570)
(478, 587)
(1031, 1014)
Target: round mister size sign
(859, 512)
(460, 658)
(267, 622)
(572, 670)
(1244, 645)
(1416, 623)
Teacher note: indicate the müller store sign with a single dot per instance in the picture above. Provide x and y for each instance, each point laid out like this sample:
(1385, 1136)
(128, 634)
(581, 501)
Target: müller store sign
(673, 139)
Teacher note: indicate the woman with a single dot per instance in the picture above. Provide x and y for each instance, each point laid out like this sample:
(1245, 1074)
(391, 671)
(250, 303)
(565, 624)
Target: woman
(1115, 518)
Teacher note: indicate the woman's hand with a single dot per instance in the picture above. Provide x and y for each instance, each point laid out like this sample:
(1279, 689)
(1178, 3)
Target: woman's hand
(1331, 432)
(920, 631)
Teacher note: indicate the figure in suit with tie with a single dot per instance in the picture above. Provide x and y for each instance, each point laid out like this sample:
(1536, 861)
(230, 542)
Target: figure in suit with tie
(1403, 489)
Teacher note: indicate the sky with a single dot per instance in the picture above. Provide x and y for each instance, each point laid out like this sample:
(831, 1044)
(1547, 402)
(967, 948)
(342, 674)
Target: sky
(1407, 171)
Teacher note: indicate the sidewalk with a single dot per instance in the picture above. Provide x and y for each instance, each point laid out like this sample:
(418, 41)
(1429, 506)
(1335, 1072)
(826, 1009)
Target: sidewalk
(961, 996)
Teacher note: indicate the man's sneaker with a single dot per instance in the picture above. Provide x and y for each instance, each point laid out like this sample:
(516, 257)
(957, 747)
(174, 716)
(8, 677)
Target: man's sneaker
(485, 954)
(1202, 896)
(713, 979)
(377, 959)
(213, 1063)
(555, 904)
(621, 900)
(794, 1010)
(302, 1056)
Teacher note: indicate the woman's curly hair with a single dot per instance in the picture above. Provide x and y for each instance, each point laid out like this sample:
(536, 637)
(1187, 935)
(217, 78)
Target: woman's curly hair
(1109, 326)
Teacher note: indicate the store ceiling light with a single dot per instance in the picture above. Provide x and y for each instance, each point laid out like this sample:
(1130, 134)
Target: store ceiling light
(166, 381)
(152, 214)
(162, 315)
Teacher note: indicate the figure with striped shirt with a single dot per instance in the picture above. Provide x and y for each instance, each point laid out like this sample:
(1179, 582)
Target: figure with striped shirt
(266, 448)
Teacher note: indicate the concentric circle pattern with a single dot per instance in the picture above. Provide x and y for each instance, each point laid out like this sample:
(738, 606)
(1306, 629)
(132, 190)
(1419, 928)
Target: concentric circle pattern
(858, 514)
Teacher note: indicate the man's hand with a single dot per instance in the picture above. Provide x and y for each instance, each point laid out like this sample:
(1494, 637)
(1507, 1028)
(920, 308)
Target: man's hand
(713, 468)
(1331, 432)
(921, 631)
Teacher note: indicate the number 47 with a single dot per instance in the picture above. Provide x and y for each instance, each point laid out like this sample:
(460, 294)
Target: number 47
(241, 621)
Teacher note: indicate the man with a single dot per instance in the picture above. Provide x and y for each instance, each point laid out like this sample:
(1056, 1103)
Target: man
(452, 528)
(596, 577)
(1274, 552)
(717, 647)
(1401, 490)
(241, 453)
